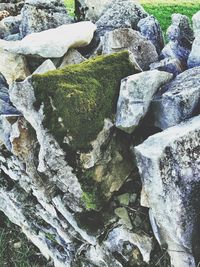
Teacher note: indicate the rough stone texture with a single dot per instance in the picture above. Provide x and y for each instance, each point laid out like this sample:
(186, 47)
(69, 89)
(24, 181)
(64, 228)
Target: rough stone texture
(13, 66)
(40, 15)
(4, 14)
(121, 14)
(181, 31)
(90, 9)
(47, 65)
(173, 49)
(12, 23)
(151, 30)
(143, 50)
(44, 44)
(72, 57)
(171, 172)
(180, 36)
(179, 100)
(135, 97)
(196, 23)
(13, 7)
(171, 65)
(194, 57)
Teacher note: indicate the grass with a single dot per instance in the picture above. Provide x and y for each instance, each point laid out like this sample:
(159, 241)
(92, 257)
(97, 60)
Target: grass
(15, 249)
(161, 9)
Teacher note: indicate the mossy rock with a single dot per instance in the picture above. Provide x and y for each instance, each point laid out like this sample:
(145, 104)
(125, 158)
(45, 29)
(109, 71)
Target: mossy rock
(79, 97)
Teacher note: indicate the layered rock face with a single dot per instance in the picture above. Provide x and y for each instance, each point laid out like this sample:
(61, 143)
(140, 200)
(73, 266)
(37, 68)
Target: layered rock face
(83, 107)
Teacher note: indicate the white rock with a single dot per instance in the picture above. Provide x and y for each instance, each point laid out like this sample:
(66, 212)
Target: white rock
(53, 43)
(169, 166)
(135, 97)
(13, 66)
(196, 23)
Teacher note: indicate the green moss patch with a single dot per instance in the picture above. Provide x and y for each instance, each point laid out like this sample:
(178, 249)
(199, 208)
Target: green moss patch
(79, 97)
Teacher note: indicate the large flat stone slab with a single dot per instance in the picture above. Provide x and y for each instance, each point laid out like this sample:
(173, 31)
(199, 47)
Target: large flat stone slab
(53, 43)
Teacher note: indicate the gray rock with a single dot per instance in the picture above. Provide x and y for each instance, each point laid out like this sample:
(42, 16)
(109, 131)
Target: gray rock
(121, 14)
(13, 37)
(181, 31)
(46, 66)
(143, 50)
(181, 37)
(135, 97)
(174, 50)
(90, 9)
(196, 23)
(122, 213)
(44, 44)
(4, 31)
(72, 57)
(168, 163)
(177, 101)
(194, 57)
(13, 8)
(40, 15)
(171, 65)
(151, 30)
(12, 23)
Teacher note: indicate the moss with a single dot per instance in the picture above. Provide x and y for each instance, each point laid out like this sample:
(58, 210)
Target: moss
(82, 95)
(90, 200)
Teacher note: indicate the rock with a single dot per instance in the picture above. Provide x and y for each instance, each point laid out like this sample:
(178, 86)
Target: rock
(13, 8)
(196, 23)
(181, 37)
(72, 57)
(124, 199)
(13, 37)
(136, 94)
(171, 172)
(120, 235)
(120, 14)
(123, 215)
(90, 9)
(12, 23)
(174, 50)
(4, 14)
(194, 57)
(6, 107)
(171, 65)
(178, 100)
(40, 15)
(13, 67)
(143, 50)
(44, 44)
(181, 31)
(4, 31)
(46, 66)
(150, 28)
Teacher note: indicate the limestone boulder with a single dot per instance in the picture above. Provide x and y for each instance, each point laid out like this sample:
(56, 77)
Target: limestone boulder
(178, 100)
(40, 15)
(168, 163)
(12, 23)
(194, 56)
(13, 67)
(44, 44)
(72, 57)
(142, 49)
(150, 28)
(135, 97)
(196, 23)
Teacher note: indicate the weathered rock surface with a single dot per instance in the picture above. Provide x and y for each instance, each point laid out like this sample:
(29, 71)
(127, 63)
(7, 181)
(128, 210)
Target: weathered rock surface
(40, 15)
(13, 7)
(194, 57)
(120, 14)
(181, 37)
(135, 97)
(179, 100)
(171, 172)
(171, 65)
(13, 67)
(150, 28)
(12, 23)
(90, 9)
(4, 14)
(72, 57)
(196, 23)
(143, 50)
(44, 44)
